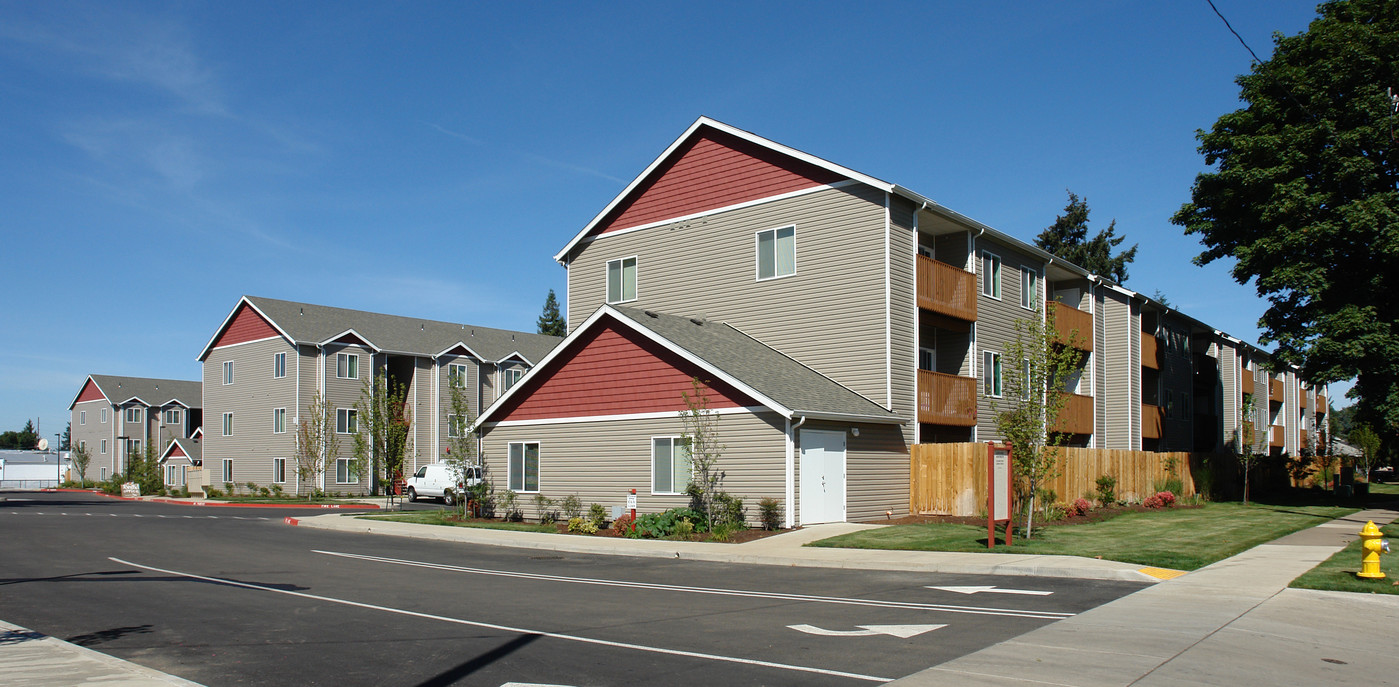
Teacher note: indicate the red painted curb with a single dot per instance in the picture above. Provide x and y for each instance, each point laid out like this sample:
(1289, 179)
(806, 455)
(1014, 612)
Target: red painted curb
(162, 499)
(291, 521)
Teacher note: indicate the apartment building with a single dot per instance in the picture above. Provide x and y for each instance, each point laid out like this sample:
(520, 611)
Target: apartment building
(883, 292)
(117, 417)
(269, 358)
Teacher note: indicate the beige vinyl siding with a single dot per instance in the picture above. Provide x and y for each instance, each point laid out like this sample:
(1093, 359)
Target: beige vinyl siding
(344, 393)
(251, 398)
(94, 432)
(995, 323)
(903, 317)
(1102, 429)
(1119, 370)
(421, 392)
(600, 461)
(829, 315)
(876, 470)
(470, 393)
(1233, 393)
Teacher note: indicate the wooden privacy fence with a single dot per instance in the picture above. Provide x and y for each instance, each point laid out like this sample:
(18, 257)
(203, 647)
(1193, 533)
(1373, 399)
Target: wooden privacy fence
(950, 479)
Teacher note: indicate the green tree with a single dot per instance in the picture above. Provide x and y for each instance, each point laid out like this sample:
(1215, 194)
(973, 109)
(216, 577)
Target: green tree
(1368, 442)
(1041, 364)
(1068, 239)
(550, 321)
(461, 449)
(1304, 196)
(385, 420)
(65, 443)
(1246, 441)
(81, 459)
(701, 436)
(315, 440)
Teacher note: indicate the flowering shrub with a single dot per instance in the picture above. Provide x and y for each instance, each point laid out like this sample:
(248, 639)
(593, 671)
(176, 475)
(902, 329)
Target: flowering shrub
(1162, 499)
(582, 525)
(1079, 507)
(622, 526)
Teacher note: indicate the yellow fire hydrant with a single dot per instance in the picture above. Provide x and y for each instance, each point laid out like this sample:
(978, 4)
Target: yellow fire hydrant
(1371, 545)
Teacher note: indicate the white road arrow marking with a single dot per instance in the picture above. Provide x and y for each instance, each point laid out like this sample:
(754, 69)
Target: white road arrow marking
(992, 589)
(900, 631)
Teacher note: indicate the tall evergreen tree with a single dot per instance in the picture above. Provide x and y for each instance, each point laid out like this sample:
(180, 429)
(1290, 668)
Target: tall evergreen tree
(1068, 239)
(550, 321)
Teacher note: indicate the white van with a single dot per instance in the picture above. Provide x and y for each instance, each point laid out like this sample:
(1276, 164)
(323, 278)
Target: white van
(439, 481)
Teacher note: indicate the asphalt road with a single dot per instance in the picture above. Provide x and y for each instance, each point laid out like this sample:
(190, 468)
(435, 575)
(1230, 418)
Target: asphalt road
(230, 596)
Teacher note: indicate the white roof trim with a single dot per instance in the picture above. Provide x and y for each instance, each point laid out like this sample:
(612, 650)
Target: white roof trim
(84, 386)
(242, 300)
(357, 335)
(720, 126)
(516, 355)
(135, 398)
(469, 350)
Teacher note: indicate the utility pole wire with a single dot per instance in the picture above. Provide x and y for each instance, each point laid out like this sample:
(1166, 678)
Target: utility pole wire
(1236, 33)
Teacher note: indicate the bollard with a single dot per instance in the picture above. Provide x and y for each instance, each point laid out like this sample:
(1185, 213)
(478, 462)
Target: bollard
(1371, 547)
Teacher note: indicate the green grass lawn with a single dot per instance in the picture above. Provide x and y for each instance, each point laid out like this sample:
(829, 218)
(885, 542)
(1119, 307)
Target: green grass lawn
(1178, 538)
(440, 517)
(285, 500)
(1337, 573)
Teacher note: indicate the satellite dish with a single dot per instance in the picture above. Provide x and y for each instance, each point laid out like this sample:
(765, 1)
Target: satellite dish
(43, 444)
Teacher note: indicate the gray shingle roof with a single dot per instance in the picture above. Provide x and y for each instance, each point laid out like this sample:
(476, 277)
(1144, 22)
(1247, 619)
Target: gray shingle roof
(799, 388)
(192, 448)
(307, 323)
(155, 392)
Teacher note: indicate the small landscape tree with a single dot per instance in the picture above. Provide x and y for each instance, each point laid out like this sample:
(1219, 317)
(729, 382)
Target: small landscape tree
(550, 321)
(461, 448)
(81, 459)
(384, 423)
(1368, 442)
(1244, 440)
(315, 439)
(701, 435)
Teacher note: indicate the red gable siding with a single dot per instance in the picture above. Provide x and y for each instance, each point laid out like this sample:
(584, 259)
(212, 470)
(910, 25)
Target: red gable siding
(713, 170)
(90, 392)
(176, 452)
(352, 339)
(246, 326)
(614, 371)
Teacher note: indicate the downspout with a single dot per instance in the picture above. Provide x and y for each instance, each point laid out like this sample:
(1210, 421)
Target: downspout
(789, 518)
(320, 381)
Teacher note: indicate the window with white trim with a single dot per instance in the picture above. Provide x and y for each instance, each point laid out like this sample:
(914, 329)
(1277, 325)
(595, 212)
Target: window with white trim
(133, 447)
(346, 421)
(104, 416)
(82, 417)
(927, 359)
(279, 420)
(104, 447)
(228, 424)
(279, 470)
(227, 372)
(347, 365)
(102, 473)
(777, 253)
(1029, 289)
(456, 425)
(621, 280)
(524, 466)
(509, 376)
(991, 374)
(456, 375)
(345, 471)
(133, 414)
(172, 416)
(279, 365)
(991, 275)
(227, 470)
(671, 469)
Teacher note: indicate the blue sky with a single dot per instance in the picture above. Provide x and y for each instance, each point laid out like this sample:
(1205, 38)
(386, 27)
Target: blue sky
(158, 160)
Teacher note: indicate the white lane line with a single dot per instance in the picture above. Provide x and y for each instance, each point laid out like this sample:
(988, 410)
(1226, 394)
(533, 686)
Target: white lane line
(516, 630)
(977, 610)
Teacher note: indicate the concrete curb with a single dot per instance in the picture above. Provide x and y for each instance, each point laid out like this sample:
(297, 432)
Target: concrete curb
(224, 504)
(32, 658)
(782, 550)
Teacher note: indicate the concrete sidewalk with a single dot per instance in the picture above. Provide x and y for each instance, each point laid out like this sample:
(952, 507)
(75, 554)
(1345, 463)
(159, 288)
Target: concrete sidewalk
(31, 659)
(1231, 623)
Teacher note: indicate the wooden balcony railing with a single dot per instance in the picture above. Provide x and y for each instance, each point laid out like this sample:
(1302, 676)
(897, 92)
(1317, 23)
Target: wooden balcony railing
(1077, 415)
(1246, 381)
(1151, 351)
(1275, 439)
(1151, 421)
(945, 289)
(1068, 319)
(1320, 401)
(1275, 389)
(1306, 441)
(1246, 435)
(1302, 398)
(945, 399)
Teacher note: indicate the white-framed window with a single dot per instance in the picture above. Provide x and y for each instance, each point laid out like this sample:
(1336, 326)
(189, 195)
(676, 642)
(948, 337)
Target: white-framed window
(133, 414)
(927, 359)
(82, 444)
(279, 365)
(992, 376)
(1029, 289)
(621, 280)
(777, 253)
(456, 375)
(345, 471)
(102, 473)
(82, 417)
(175, 475)
(172, 416)
(228, 424)
(227, 470)
(133, 447)
(991, 275)
(104, 447)
(456, 425)
(346, 421)
(104, 416)
(279, 470)
(1026, 384)
(524, 466)
(671, 470)
(279, 420)
(227, 372)
(509, 376)
(347, 365)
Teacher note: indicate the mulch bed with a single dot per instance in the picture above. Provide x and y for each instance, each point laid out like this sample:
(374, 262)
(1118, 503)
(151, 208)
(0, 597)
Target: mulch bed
(1097, 515)
(737, 537)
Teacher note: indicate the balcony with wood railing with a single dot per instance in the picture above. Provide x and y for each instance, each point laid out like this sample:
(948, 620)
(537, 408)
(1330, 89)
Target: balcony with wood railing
(1275, 390)
(945, 399)
(1070, 320)
(1275, 439)
(946, 290)
(1304, 440)
(1151, 421)
(1151, 351)
(1321, 402)
(1246, 380)
(1077, 415)
(1302, 398)
(1246, 434)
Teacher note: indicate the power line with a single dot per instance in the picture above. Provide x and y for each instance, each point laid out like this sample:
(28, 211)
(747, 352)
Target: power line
(1236, 33)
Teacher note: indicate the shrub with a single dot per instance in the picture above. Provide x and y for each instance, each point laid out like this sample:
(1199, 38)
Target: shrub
(1079, 507)
(1162, 499)
(668, 524)
(582, 525)
(571, 506)
(277, 490)
(264, 491)
(545, 507)
(1107, 490)
(723, 531)
(252, 487)
(510, 506)
(228, 488)
(729, 510)
(597, 514)
(769, 511)
(622, 526)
